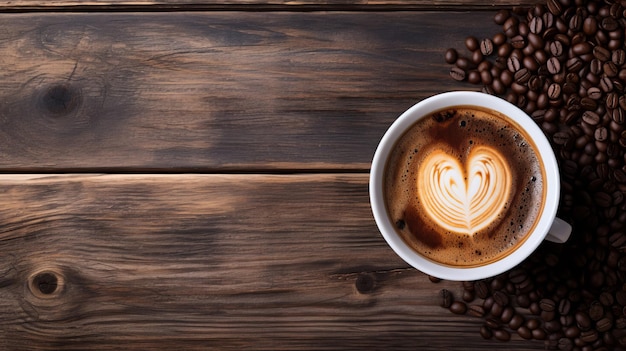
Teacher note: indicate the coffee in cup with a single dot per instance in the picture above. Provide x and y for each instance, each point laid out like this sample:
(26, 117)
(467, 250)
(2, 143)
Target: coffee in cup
(464, 186)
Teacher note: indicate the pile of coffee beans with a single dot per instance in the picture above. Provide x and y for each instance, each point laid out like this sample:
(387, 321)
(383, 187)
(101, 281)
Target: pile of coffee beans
(564, 63)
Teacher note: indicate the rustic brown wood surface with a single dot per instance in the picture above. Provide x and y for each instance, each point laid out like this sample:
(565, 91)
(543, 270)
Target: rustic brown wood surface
(215, 90)
(212, 262)
(270, 244)
(72, 5)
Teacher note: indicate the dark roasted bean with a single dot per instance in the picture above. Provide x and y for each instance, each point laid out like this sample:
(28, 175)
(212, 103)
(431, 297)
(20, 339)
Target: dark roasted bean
(458, 307)
(502, 334)
(476, 310)
(486, 332)
(457, 73)
(445, 298)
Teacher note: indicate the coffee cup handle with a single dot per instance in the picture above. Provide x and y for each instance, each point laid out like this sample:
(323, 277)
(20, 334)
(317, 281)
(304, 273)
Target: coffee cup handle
(559, 232)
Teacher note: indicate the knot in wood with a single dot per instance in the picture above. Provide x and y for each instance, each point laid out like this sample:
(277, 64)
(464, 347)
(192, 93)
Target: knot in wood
(365, 283)
(45, 284)
(60, 99)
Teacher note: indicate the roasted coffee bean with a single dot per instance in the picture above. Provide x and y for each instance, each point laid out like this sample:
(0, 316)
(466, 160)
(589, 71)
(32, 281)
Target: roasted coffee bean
(451, 56)
(606, 84)
(539, 334)
(564, 306)
(601, 53)
(582, 48)
(445, 298)
(506, 77)
(510, 26)
(513, 64)
(486, 47)
(493, 323)
(555, 47)
(591, 118)
(536, 41)
(594, 93)
(565, 344)
(501, 16)
(501, 298)
(612, 100)
(547, 315)
(554, 66)
(588, 104)
(552, 325)
(582, 320)
(482, 289)
(601, 133)
(486, 332)
(560, 138)
(573, 64)
(468, 295)
(595, 67)
(476, 310)
(572, 332)
(488, 303)
(473, 77)
(458, 307)
(602, 199)
(554, 6)
(590, 26)
(547, 305)
(457, 74)
(518, 42)
(618, 57)
(522, 76)
(496, 309)
(524, 332)
(524, 301)
(507, 314)
(504, 50)
(609, 24)
(618, 116)
(502, 335)
(596, 311)
(604, 324)
(516, 321)
(609, 69)
(530, 63)
(589, 336)
(536, 25)
(471, 43)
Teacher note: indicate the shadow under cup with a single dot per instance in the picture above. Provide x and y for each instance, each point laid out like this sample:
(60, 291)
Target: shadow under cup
(447, 217)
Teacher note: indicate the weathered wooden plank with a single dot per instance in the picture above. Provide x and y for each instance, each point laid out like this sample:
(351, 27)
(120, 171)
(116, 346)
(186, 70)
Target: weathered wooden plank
(192, 262)
(216, 90)
(8, 5)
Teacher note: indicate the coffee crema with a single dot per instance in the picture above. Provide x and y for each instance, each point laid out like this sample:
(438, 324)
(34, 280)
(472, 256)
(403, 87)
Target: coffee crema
(464, 186)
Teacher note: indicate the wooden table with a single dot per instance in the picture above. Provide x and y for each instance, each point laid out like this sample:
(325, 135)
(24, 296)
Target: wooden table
(183, 175)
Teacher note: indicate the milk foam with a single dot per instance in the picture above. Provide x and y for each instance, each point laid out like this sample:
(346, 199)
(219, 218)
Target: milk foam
(464, 198)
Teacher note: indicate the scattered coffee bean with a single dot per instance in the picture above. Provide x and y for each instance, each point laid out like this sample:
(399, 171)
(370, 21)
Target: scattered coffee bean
(502, 335)
(486, 332)
(445, 298)
(457, 73)
(563, 62)
(458, 307)
(476, 310)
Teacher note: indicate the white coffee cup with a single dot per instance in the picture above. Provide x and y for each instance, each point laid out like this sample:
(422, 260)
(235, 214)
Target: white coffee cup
(548, 226)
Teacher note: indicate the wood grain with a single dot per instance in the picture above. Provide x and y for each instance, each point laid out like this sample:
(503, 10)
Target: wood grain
(264, 262)
(216, 91)
(73, 5)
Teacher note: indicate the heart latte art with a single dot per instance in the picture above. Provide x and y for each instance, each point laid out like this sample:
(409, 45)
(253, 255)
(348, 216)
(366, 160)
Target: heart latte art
(464, 186)
(464, 198)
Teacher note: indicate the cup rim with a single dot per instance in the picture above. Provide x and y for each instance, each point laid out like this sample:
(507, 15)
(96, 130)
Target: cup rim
(423, 109)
